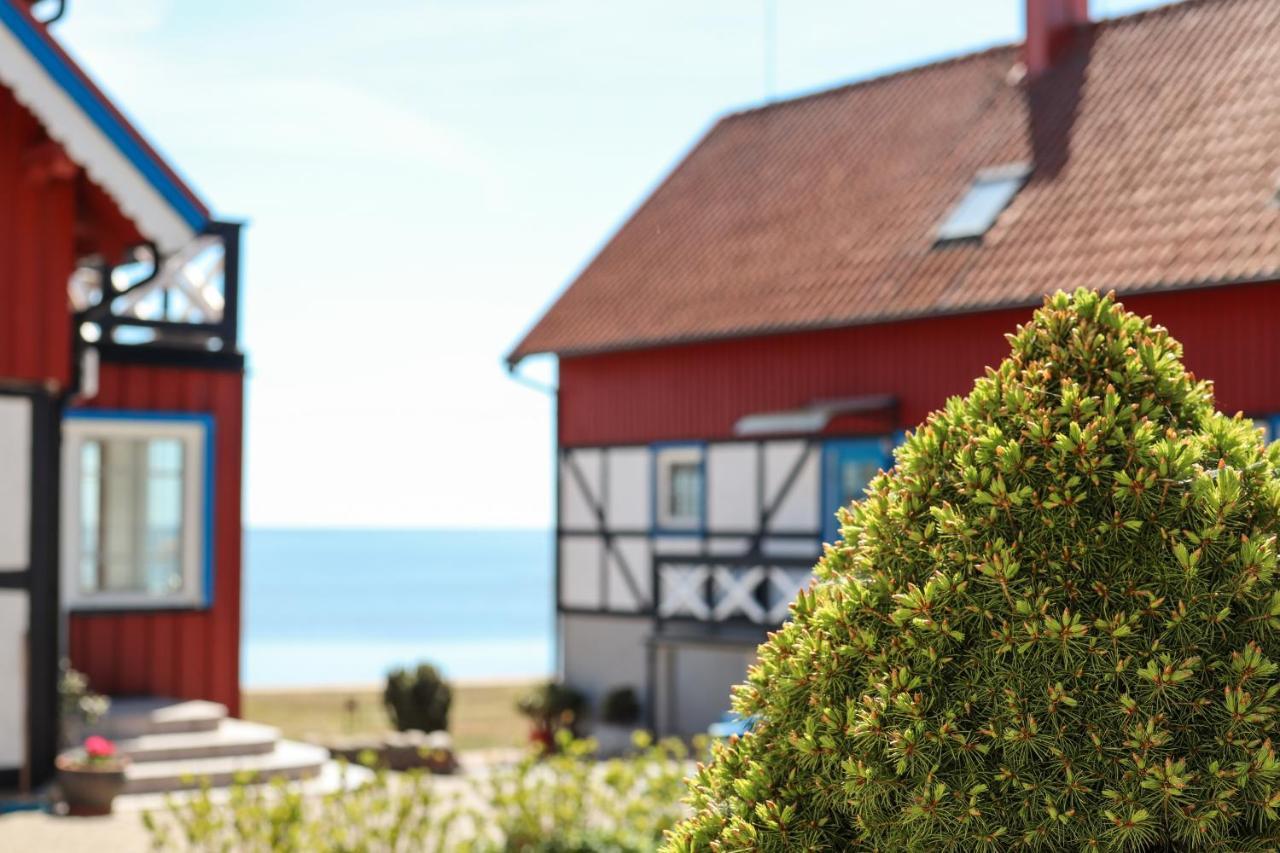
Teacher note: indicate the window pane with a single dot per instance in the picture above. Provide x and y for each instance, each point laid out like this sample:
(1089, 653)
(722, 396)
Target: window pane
(90, 503)
(131, 515)
(165, 456)
(854, 477)
(685, 499)
(986, 199)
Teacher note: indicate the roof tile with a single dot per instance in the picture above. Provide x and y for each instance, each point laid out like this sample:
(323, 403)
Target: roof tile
(1156, 146)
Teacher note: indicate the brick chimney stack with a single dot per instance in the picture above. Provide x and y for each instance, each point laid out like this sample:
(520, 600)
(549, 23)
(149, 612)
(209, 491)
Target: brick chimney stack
(1051, 24)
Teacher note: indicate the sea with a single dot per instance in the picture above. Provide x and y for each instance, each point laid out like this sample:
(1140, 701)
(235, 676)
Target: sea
(342, 607)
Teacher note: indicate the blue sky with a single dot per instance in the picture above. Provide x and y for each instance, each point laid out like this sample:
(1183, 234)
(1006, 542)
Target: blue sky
(421, 179)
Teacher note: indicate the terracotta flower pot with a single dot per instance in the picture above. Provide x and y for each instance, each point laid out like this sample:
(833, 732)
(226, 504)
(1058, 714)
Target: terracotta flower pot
(540, 735)
(89, 789)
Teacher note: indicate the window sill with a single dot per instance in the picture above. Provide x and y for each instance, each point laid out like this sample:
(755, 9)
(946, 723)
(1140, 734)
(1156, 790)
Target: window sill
(126, 605)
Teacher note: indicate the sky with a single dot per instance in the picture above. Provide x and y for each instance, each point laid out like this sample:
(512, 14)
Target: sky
(420, 179)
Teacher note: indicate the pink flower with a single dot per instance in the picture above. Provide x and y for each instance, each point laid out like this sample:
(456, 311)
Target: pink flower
(99, 747)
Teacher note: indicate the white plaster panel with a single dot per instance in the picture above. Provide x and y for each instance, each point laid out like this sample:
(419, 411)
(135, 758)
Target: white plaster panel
(13, 692)
(15, 483)
(634, 550)
(729, 546)
(678, 545)
(604, 652)
(576, 506)
(732, 499)
(580, 561)
(629, 500)
(776, 547)
(694, 684)
(800, 508)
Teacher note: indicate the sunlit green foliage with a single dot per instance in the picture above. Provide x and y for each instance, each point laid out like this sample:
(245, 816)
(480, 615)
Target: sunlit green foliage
(1052, 626)
(561, 802)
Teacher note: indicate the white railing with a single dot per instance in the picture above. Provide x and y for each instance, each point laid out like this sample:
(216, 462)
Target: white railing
(714, 589)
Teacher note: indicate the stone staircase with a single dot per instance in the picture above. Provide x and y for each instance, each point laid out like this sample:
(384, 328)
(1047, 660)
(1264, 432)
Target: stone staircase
(175, 745)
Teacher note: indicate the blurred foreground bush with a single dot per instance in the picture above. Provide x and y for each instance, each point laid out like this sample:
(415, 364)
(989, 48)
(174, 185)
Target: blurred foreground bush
(561, 802)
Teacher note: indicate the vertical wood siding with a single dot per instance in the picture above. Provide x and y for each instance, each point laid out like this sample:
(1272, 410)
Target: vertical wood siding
(185, 654)
(698, 391)
(37, 250)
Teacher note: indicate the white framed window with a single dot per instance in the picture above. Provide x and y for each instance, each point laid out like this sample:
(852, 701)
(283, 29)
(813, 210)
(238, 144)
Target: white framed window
(136, 510)
(680, 488)
(987, 197)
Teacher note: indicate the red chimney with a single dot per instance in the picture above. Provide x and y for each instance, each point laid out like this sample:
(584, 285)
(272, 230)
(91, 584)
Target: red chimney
(1050, 26)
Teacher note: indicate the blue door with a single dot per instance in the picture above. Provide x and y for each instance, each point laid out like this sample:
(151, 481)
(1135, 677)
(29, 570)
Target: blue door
(848, 465)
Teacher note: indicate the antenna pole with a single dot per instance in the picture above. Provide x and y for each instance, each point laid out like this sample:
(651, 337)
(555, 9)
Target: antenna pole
(770, 49)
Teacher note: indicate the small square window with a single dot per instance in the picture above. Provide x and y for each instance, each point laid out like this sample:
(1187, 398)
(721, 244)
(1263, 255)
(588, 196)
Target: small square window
(680, 488)
(135, 511)
(685, 498)
(988, 196)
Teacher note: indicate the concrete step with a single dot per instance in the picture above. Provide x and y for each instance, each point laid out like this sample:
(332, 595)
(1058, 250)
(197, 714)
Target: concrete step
(133, 717)
(332, 778)
(289, 759)
(231, 738)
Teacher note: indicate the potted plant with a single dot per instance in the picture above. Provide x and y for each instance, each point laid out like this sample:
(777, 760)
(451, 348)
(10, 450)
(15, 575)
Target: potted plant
(619, 718)
(552, 708)
(91, 777)
(80, 708)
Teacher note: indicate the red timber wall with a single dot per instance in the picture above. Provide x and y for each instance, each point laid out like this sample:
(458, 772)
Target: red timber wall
(698, 391)
(38, 213)
(51, 215)
(187, 654)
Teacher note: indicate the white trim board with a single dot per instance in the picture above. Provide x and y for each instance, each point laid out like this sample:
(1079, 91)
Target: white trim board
(15, 484)
(193, 436)
(89, 147)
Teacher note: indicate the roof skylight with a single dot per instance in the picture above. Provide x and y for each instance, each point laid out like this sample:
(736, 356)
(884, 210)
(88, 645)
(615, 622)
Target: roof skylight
(988, 196)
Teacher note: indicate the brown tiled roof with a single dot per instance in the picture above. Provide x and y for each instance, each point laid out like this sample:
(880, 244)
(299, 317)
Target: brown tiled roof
(1156, 145)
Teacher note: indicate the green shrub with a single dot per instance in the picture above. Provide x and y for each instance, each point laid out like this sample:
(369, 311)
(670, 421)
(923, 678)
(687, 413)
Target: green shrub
(1051, 626)
(552, 707)
(561, 803)
(620, 707)
(395, 812)
(568, 803)
(418, 699)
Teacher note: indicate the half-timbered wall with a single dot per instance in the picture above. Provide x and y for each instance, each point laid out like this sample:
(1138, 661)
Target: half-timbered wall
(762, 500)
(767, 505)
(28, 587)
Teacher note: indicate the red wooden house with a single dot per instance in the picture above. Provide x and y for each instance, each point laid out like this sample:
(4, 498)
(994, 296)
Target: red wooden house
(120, 407)
(818, 274)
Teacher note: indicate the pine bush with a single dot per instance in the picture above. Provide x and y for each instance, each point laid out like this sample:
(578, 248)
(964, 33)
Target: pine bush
(1052, 626)
(418, 698)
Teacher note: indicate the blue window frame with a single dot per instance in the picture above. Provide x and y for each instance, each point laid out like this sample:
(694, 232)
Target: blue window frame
(678, 486)
(137, 516)
(848, 464)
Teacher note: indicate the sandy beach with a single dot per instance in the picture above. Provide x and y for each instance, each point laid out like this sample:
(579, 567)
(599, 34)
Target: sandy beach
(483, 715)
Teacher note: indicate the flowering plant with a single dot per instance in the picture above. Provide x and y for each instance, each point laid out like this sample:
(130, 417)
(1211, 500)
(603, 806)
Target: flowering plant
(98, 750)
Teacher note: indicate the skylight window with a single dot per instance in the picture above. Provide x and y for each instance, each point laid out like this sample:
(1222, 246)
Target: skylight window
(988, 196)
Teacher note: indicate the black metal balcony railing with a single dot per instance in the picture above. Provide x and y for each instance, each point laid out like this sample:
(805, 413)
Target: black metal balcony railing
(186, 300)
(758, 589)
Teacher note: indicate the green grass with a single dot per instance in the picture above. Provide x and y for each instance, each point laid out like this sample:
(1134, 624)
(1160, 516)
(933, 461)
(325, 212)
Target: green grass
(482, 716)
